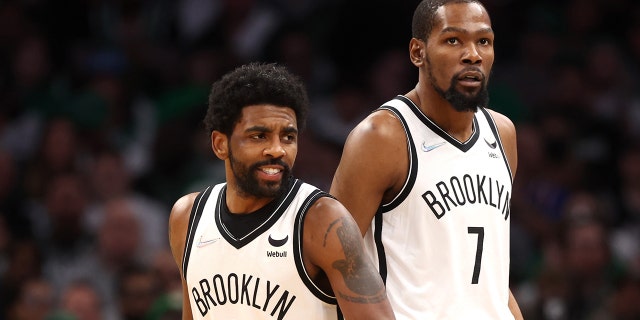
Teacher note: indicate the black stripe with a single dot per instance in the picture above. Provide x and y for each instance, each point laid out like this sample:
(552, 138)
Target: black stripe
(297, 247)
(413, 164)
(382, 256)
(194, 218)
(278, 212)
(494, 129)
(463, 146)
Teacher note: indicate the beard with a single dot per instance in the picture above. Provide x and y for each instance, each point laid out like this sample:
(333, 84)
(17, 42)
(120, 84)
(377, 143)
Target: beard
(461, 101)
(248, 183)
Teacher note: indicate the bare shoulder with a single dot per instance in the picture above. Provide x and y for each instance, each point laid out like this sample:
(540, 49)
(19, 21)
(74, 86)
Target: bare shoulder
(374, 148)
(182, 209)
(504, 124)
(372, 164)
(178, 224)
(380, 126)
(324, 218)
(325, 211)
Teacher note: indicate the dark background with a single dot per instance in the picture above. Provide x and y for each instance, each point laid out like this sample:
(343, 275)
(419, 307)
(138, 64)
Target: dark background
(101, 104)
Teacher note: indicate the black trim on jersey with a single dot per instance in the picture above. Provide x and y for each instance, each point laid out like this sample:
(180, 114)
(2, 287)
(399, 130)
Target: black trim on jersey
(280, 206)
(377, 238)
(297, 248)
(494, 129)
(463, 146)
(194, 219)
(413, 164)
(412, 174)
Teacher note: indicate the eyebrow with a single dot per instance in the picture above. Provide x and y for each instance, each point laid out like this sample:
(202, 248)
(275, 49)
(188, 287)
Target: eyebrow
(461, 30)
(266, 129)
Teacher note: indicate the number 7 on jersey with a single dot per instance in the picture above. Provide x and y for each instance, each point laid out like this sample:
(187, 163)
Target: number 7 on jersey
(478, 261)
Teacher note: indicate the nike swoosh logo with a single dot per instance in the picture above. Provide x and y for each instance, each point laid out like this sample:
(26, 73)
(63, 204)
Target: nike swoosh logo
(427, 148)
(278, 242)
(201, 243)
(491, 145)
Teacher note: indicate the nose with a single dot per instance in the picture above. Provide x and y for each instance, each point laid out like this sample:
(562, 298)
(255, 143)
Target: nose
(471, 55)
(275, 149)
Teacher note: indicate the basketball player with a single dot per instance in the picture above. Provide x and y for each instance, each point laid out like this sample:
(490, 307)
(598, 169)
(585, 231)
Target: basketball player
(428, 175)
(264, 245)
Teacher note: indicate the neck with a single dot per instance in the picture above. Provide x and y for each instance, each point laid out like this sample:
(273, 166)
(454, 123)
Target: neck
(457, 124)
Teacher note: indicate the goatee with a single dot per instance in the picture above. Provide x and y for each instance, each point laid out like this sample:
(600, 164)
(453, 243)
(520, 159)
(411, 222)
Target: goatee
(461, 101)
(249, 184)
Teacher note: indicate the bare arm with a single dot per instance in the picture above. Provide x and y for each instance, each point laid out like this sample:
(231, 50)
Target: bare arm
(333, 244)
(507, 133)
(178, 224)
(373, 166)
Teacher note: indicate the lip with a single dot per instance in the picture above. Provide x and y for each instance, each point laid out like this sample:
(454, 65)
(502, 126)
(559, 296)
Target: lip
(471, 79)
(471, 76)
(271, 177)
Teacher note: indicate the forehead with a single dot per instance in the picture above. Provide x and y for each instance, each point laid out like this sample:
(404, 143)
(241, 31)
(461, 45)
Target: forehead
(267, 115)
(466, 16)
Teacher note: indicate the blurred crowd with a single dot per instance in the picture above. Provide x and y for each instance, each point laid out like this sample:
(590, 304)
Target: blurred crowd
(101, 105)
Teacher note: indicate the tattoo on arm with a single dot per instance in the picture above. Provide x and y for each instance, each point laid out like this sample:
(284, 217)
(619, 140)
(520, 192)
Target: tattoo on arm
(353, 269)
(324, 242)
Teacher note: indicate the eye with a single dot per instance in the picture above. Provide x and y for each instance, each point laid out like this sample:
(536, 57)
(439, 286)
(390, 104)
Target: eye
(290, 137)
(485, 41)
(452, 40)
(259, 136)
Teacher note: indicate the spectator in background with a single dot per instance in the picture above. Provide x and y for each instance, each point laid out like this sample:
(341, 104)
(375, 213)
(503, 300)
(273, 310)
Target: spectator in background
(119, 243)
(138, 289)
(168, 304)
(58, 152)
(112, 184)
(81, 301)
(23, 263)
(35, 301)
(591, 269)
(59, 229)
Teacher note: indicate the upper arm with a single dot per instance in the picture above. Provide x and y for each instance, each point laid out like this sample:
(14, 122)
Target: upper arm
(372, 168)
(332, 243)
(507, 131)
(178, 224)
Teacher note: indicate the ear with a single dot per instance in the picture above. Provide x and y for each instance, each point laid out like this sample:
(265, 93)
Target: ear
(417, 52)
(220, 144)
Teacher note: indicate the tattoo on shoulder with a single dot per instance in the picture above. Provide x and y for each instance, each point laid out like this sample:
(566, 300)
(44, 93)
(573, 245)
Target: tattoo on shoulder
(354, 267)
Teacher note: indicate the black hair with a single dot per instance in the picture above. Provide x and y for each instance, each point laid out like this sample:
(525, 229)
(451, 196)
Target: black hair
(253, 84)
(424, 17)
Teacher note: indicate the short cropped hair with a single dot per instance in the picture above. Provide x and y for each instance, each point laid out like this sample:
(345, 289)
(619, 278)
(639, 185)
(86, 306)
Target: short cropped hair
(424, 17)
(254, 84)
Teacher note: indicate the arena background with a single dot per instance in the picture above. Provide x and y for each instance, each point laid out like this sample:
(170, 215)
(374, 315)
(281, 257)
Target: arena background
(101, 104)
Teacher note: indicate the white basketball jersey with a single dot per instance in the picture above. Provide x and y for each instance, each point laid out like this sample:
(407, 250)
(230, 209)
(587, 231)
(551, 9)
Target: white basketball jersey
(259, 275)
(442, 244)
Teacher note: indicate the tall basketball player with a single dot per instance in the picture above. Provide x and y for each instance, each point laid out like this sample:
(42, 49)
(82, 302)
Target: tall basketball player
(428, 175)
(264, 245)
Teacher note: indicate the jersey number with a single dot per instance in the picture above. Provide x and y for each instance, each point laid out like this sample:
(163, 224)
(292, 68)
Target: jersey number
(478, 261)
